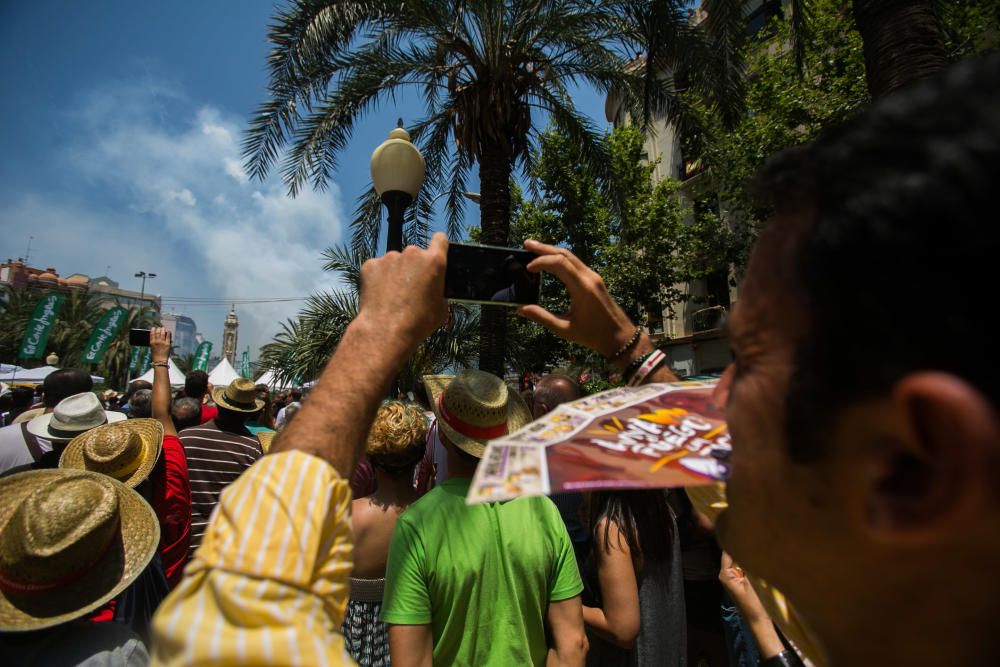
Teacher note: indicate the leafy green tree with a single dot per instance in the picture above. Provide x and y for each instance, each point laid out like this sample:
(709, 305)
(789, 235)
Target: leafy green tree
(487, 71)
(304, 345)
(80, 313)
(643, 246)
(16, 307)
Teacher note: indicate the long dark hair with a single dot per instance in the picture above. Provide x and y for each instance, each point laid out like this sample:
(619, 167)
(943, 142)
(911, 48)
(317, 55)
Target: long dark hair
(643, 517)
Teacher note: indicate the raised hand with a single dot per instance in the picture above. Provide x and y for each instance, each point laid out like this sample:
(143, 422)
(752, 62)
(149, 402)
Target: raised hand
(594, 319)
(159, 344)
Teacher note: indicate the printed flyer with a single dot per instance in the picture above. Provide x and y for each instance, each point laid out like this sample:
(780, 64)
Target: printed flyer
(653, 436)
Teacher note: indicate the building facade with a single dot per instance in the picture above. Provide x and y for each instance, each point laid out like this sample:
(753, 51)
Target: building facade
(183, 331)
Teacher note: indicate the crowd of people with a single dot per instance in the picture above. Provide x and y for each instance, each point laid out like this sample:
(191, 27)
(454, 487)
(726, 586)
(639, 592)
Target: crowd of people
(858, 526)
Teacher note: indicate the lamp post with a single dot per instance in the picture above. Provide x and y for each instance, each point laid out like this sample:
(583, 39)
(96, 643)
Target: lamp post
(142, 292)
(397, 173)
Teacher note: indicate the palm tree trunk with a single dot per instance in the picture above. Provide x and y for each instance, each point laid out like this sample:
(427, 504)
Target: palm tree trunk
(494, 222)
(903, 42)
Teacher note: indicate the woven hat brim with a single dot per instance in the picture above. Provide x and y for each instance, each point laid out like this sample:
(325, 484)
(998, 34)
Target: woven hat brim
(39, 426)
(151, 432)
(140, 538)
(219, 396)
(518, 415)
(266, 438)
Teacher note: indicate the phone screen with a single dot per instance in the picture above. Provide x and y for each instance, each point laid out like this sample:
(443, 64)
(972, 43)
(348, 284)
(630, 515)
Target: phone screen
(138, 337)
(490, 275)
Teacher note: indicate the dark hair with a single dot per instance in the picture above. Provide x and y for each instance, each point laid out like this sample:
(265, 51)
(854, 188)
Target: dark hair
(555, 389)
(140, 406)
(891, 232)
(64, 383)
(643, 517)
(21, 397)
(196, 384)
(296, 394)
(135, 386)
(264, 417)
(185, 412)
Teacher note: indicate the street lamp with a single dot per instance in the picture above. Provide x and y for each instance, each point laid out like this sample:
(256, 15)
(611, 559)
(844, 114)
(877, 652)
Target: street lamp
(397, 172)
(142, 292)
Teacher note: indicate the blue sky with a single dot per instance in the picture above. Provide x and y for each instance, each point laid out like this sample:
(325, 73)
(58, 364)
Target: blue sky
(122, 123)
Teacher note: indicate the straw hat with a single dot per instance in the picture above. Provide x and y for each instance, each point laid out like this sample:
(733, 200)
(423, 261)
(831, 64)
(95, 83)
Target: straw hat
(266, 438)
(125, 450)
(239, 396)
(70, 541)
(475, 407)
(72, 416)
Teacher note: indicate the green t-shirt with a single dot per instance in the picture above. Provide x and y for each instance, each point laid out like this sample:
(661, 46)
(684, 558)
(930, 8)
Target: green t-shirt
(481, 575)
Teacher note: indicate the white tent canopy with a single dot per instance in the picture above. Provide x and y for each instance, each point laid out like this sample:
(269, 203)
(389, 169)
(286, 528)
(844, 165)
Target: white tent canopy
(176, 377)
(223, 374)
(272, 382)
(35, 375)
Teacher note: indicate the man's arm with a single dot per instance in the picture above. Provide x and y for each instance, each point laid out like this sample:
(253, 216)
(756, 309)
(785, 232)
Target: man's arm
(569, 641)
(411, 645)
(159, 352)
(402, 302)
(594, 318)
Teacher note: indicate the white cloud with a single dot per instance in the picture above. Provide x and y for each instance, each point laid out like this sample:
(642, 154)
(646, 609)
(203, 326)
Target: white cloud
(187, 213)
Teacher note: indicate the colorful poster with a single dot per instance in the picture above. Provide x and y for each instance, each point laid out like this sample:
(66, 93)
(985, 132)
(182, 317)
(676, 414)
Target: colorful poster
(103, 335)
(201, 356)
(36, 334)
(653, 436)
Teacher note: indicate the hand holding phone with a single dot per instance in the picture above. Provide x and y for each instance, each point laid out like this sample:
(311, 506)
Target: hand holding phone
(490, 275)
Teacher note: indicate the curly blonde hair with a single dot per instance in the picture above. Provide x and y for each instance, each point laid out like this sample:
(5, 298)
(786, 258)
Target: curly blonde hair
(396, 438)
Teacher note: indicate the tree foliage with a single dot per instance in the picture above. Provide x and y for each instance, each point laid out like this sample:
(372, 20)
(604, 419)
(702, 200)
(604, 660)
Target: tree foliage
(304, 345)
(644, 247)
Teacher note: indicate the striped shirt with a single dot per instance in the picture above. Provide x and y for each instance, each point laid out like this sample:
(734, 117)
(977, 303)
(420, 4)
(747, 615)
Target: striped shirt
(269, 584)
(215, 459)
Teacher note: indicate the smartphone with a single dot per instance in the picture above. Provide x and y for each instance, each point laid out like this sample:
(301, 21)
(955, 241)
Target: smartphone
(490, 275)
(138, 337)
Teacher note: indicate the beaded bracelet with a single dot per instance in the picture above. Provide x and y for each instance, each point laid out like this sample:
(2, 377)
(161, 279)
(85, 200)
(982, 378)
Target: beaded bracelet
(627, 346)
(648, 366)
(634, 366)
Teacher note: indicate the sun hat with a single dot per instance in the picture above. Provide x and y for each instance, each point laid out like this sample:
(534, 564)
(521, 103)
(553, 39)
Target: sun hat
(70, 541)
(475, 407)
(239, 396)
(125, 450)
(266, 438)
(72, 416)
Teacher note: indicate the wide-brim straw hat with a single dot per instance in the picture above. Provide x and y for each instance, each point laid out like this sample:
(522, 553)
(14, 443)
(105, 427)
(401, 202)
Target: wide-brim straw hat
(126, 450)
(475, 407)
(266, 438)
(125, 555)
(240, 395)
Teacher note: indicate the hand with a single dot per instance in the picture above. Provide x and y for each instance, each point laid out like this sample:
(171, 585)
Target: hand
(403, 292)
(159, 344)
(735, 581)
(594, 319)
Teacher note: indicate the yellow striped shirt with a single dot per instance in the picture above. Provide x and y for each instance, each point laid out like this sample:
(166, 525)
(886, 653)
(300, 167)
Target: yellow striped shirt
(269, 584)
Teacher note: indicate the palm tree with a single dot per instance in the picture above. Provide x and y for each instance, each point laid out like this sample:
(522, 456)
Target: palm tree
(16, 306)
(304, 345)
(903, 39)
(80, 313)
(115, 364)
(485, 69)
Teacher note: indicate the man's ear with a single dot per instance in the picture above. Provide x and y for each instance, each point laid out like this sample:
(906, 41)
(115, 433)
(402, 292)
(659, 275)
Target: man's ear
(934, 462)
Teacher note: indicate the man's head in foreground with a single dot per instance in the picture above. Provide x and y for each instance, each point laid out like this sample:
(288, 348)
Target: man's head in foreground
(552, 391)
(64, 383)
(863, 396)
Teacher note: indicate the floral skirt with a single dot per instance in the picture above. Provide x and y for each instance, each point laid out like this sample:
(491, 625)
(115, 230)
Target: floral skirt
(366, 637)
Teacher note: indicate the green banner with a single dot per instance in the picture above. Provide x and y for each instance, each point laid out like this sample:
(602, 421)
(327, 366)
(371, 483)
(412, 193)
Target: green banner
(147, 358)
(133, 364)
(103, 334)
(36, 334)
(201, 356)
(246, 364)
